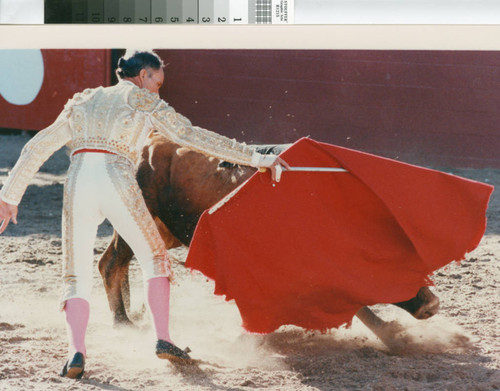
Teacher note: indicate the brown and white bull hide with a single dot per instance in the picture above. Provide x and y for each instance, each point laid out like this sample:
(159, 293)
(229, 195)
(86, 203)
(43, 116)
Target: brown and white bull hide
(178, 185)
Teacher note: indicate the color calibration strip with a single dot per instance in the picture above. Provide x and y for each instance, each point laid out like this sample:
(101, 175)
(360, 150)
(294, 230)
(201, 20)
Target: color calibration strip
(169, 11)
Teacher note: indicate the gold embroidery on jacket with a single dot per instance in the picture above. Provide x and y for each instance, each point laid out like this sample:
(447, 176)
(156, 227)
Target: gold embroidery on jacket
(143, 100)
(122, 174)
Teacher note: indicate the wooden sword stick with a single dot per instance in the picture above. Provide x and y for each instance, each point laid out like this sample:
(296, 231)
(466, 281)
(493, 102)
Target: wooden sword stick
(310, 169)
(315, 169)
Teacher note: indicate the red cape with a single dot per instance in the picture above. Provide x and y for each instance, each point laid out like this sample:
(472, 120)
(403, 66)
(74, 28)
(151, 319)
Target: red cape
(316, 247)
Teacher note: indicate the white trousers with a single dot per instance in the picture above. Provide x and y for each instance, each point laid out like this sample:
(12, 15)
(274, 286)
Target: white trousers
(100, 186)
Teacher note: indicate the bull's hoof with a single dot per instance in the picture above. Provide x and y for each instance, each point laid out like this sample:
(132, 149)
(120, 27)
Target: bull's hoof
(122, 322)
(422, 306)
(429, 309)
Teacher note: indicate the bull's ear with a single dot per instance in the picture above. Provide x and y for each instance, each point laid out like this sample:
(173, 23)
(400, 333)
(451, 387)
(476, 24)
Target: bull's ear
(22, 75)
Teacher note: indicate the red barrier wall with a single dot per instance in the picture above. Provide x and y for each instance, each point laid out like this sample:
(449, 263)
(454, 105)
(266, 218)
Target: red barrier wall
(65, 72)
(424, 107)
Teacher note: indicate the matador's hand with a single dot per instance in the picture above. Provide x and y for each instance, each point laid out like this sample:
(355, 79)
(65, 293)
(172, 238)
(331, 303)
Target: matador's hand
(275, 164)
(7, 212)
(277, 168)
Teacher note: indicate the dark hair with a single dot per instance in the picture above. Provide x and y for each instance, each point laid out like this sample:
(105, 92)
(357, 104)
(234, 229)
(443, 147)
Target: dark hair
(134, 60)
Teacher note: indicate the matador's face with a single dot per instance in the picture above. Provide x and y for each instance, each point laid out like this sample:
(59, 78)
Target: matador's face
(152, 79)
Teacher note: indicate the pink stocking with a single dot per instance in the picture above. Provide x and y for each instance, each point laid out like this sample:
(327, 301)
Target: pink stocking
(77, 318)
(159, 301)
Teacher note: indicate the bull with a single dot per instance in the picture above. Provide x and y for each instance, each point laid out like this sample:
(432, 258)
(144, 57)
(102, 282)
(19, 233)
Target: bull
(178, 185)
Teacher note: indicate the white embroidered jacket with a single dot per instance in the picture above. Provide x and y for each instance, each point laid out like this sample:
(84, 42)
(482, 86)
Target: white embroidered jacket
(117, 119)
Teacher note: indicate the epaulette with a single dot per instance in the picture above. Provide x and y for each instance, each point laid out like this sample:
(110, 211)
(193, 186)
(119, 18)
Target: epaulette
(81, 97)
(143, 100)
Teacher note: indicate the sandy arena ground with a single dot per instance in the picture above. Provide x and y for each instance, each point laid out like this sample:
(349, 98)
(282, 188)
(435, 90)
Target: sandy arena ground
(458, 349)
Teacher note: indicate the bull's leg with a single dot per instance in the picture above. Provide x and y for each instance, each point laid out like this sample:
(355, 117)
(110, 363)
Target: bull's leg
(113, 267)
(385, 331)
(424, 305)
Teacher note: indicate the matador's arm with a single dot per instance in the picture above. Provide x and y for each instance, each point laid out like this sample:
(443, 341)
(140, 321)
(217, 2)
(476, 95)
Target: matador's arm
(33, 155)
(179, 129)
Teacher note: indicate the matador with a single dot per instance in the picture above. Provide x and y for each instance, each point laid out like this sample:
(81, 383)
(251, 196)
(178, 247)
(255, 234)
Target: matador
(105, 129)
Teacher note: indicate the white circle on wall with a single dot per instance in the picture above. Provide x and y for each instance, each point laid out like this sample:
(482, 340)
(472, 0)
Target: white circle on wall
(21, 75)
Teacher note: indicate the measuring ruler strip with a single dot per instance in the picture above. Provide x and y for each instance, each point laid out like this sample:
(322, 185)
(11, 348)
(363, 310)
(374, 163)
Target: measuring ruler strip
(238, 11)
(169, 11)
(79, 11)
(142, 12)
(205, 11)
(174, 11)
(158, 11)
(95, 11)
(190, 11)
(111, 11)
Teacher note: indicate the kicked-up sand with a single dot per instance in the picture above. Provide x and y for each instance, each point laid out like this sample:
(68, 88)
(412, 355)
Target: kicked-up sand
(458, 349)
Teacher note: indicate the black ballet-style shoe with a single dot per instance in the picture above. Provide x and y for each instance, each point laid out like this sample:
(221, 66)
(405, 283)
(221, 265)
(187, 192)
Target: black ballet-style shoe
(168, 351)
(74, 369)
